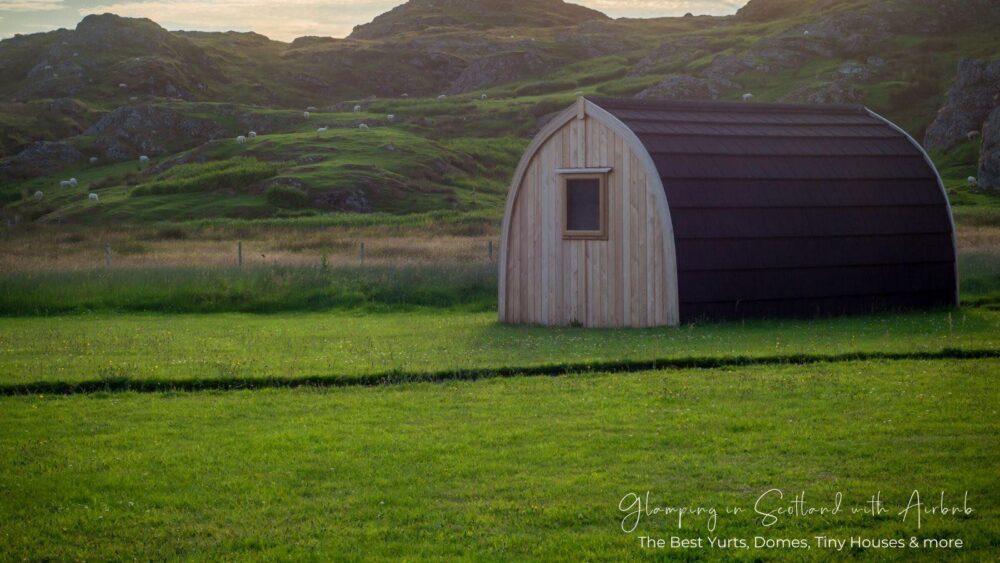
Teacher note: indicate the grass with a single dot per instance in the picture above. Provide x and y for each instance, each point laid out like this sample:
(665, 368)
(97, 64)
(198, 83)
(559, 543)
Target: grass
(258, 290)
(348, 345)
(513, 469)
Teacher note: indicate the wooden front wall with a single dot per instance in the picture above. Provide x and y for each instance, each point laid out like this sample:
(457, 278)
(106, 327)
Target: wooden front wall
(613, 283)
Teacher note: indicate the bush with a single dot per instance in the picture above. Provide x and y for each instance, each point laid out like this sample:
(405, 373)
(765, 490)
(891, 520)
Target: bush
(287, 197)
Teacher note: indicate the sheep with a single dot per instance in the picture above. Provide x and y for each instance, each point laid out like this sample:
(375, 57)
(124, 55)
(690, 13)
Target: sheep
(241, 139)
(442, 97)
(143, 159)
(39, 195)
(747, 97)
(405, 95)
(122, 85)
(65, 184)
(973, 182)
(93, 160)
(390, 118)
(357, 109)
(483, 97)
(806, 32)
(306, 114)
(252, 135)
(93, 197)
(73, 183)
(363, 127)
(972, 135)
(322, 130)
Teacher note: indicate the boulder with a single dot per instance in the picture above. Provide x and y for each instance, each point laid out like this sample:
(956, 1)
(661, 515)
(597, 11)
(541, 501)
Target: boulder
(989, 162)
(971, 99)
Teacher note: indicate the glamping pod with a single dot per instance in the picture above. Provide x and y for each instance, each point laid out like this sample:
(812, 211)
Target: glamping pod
(635, 213)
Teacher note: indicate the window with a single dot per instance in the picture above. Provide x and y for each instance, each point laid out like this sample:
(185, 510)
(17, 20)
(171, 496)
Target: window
(586, 199)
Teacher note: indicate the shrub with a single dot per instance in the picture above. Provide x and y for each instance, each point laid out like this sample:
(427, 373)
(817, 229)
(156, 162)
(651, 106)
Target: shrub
(287, 197)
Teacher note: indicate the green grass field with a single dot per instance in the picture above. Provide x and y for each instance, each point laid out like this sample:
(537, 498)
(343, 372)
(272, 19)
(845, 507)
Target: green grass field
(512, 469)
(348, 345)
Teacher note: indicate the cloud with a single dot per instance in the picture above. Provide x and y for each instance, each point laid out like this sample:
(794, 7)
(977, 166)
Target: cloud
(284, 20)
(31, 5)
(653, 8)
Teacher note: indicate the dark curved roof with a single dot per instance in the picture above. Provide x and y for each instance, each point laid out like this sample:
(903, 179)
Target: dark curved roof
(785, 209)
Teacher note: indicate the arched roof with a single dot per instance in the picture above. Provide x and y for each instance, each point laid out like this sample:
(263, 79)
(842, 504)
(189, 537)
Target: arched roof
(793, 209)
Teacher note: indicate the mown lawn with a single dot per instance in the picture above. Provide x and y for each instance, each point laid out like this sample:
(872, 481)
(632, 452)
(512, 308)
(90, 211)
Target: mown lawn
(505, 469)
(178, 347)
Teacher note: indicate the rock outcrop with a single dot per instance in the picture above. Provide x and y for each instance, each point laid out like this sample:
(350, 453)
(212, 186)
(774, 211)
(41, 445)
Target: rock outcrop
(131, 131)
(989, 162)
(684, 87)
(423, 15)
(40, 159)
(505, 67)
(971, 99)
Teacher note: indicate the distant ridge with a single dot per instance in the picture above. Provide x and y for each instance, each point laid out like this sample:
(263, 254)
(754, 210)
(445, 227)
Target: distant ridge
(420, 15)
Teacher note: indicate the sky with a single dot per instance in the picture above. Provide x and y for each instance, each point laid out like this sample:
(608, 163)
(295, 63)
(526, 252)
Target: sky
(282, 20)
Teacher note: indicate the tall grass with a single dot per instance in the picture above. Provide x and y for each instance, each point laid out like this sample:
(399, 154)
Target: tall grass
(252, 290)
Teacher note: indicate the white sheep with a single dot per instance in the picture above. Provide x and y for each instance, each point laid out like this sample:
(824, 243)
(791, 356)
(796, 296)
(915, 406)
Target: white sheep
(252, 135)
(363, 127)
(357, 109)
(143, 159)
(123, 85)
(747, 97)
(405, 95)
(241, 139)
(93, 160)
(972, 135)
(93, 197)
(73, 182)
(973, 182)
(306, 114)
(322, 130)
(390, 118)
(806, 32)
(65, 184)
(442, 97)
(483, 97)
(39, 195)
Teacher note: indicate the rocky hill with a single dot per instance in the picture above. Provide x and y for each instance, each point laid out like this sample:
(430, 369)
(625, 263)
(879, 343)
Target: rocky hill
(88, 102)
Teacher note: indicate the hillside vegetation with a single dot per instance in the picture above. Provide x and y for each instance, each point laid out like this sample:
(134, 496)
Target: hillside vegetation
(448, 93)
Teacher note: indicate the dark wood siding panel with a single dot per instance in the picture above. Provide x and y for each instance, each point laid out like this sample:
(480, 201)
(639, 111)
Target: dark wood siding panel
(790, 167)
(808, 222)
(786, 146)
(736, 192)
(745, 118)
(823, 131)
(806, 283)
(813, 307)
(744, 254)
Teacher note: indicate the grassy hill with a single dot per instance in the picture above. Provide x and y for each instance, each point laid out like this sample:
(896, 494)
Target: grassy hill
(116, 88)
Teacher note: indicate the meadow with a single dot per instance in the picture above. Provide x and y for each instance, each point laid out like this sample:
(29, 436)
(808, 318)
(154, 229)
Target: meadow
(506, 469)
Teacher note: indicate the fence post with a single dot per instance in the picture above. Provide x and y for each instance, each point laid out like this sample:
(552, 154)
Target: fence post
(490, 251)
(361, 253)
(107, 255)
(239, 254)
